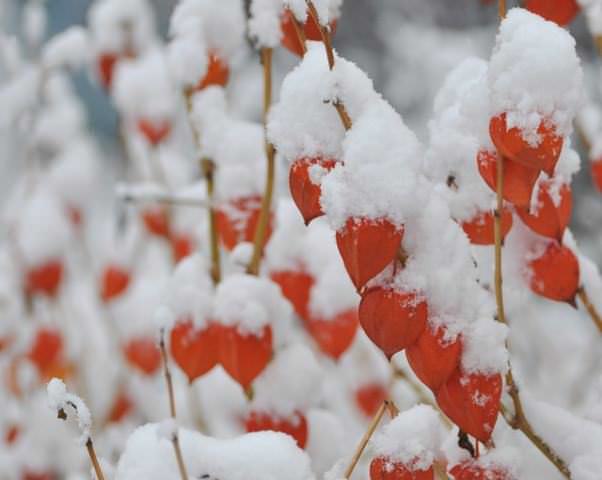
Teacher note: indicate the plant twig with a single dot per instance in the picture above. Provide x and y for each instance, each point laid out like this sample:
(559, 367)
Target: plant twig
(589, 306)
(208, 168)
(520, 421)
(172, 409)
(502, 9)
(94, 459)
(365, 439)
(266, 201)
(299, 32)
(327, 41)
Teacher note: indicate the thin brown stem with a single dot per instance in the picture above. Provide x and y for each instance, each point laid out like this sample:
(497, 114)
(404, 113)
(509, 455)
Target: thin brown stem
(502, 9)
(520, 421)
(440, 471)
(266, 201)
(172, 409)
(299, 32)
(589, 306)
(94, 459)
(327, 41)
(365, 439)
(208, 168)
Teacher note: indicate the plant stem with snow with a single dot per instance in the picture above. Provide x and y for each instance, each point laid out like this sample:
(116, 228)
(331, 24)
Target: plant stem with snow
(172, 409)
(266, 201)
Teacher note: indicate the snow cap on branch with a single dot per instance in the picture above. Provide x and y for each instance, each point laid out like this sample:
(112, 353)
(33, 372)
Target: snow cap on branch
(60, 400)
(69, 48)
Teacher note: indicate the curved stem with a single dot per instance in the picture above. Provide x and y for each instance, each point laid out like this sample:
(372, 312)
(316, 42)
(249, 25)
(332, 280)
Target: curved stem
(94, 459)
(589, 306)
(172, 409)
(266, 201)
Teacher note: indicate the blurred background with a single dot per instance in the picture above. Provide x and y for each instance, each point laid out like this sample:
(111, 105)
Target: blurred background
(406, 46)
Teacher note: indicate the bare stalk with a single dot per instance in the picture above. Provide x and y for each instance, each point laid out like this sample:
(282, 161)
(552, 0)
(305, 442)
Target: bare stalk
(172, 409)
(502, 9)
(266, 201)
(94, 459)
(593, 313)
(520, 421)
(365, 439)
(300, 33)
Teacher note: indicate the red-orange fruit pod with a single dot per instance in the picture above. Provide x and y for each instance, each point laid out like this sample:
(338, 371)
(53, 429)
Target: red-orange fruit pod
(114, 282)
(195, 350)
(367, 246)
(335, 335)
(480, 228)
(182, 245)
(392, 319)
(295, 426)
(143, 354)
(295, 286)
(290, 38)
(561, 12)
(154, 131)
(306, 194)
(472, 401)
(244, 357)
(156, 221)
(46, 349)
(510, 143)
(518, 179)
(217, 73)
(45, 278)
(549, 219)
(432, 358)
(555, 273)
(370, 397)
(382, 468)
(105, 67)
(121, 408)
(473, 471)
(596, 170)
(237, 221)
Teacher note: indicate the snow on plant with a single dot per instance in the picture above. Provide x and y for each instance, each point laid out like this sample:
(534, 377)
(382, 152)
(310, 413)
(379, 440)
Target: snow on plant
(220, 328)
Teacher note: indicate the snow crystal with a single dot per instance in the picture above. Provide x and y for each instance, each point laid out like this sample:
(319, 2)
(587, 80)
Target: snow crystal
(535, 74)
(69, 48)
(291, 382)
(412, 438)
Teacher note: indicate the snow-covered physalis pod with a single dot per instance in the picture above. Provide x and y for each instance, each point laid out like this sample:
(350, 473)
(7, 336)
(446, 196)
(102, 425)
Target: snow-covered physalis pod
(295, 286)
(311, 30)
(554, 274)
(143, 354)
(182, 245)
(383, 469)
(122, 406)
(518, 179)
(195, 350)
(45, 278)
(217, 73)
(295, 425)
(367, 246)
(471, 470)
(245, 355)
(114, 281)
(156, 220)
(334, 335)
(472, 401)
(304, 182)
(480, 228)
(549, 217)
(155, 131)
(392, 319)
(434, 358)
(560, 11)
(369, 398)
(237, 221)
(596, 170)
(510, 143)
